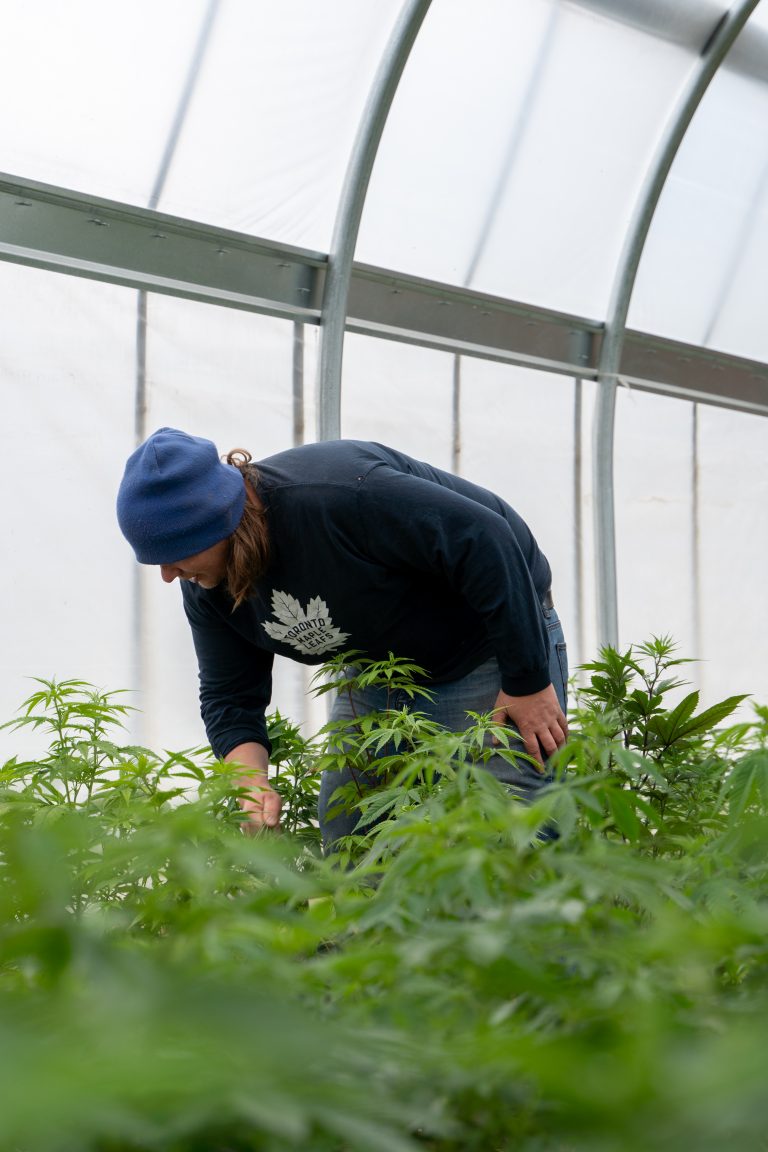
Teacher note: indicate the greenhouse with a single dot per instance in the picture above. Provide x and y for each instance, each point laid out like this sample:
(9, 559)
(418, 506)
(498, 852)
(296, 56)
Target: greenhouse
(558, 290)
(526, 242)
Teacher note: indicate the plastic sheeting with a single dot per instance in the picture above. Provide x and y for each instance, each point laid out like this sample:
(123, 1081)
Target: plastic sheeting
(532, 204)
(511, 160)
(510, 163)
(704, 274)
(94, 92)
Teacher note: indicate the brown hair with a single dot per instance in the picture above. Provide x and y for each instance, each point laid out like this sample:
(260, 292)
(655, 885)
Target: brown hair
(248, 554)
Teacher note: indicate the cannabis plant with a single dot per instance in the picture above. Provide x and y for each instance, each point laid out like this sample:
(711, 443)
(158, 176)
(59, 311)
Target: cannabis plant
(454, 980)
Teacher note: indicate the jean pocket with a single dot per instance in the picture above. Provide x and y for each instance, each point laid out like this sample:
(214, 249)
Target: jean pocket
(562, 659)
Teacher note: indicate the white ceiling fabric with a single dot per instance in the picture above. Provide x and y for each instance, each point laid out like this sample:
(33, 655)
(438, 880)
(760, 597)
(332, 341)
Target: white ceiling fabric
(510, 163)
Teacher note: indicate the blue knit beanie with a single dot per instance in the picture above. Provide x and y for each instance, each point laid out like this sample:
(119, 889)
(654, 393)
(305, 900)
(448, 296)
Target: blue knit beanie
(177, 498)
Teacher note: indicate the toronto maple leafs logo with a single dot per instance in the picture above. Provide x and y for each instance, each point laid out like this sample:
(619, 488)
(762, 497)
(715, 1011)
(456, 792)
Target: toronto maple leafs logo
(311, 631)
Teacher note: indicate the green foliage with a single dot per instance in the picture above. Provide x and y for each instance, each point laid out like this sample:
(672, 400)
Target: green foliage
(652, 773)
(297, 779)
(463, 983)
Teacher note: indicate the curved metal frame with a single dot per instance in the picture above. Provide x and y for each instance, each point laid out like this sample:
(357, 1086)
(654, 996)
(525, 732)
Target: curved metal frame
(511, 153)
(185, 98)
(140, 390)
(712, 56)
(350, 210)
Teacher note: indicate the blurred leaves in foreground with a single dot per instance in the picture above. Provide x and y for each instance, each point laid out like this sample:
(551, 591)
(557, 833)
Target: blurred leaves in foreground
(588, 972)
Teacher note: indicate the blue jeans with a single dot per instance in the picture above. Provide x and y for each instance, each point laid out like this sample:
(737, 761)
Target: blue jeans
(475, 692)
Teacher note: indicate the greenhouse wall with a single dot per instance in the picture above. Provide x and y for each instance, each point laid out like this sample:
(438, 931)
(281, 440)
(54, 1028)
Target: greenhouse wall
(510, 166)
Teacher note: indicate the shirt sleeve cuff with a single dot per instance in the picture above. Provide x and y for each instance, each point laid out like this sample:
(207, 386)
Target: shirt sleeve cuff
(224, 746)
(527, 684)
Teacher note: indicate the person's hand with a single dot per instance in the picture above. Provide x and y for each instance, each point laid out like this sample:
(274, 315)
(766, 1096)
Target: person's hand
(538, 718)
(261, 805)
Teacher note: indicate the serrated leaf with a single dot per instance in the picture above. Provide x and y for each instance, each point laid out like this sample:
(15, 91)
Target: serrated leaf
(747, 784)
(623, 812)
(713, 716)
(317, 607)
(287, 608)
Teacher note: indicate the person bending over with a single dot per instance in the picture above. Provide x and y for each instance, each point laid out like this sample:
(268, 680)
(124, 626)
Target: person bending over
(348, 545)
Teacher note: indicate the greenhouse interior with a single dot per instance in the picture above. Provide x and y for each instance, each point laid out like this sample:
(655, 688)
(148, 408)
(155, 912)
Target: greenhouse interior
(521, 242)
(526, 242)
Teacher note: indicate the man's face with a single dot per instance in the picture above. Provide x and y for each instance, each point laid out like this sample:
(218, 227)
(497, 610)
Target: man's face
(206, 568)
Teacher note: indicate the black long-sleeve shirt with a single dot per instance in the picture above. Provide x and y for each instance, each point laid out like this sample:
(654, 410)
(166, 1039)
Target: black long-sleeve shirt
(374, 551)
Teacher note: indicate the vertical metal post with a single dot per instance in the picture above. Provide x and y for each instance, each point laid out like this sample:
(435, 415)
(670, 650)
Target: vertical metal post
(166, 160)
(514, 144)
(581, 354)
(185, 98)
(302, 675)
(140, 387)
(298, 383)
(456, 417)
(740, 247)
(609, 364)
(138, 672)
(695, 534)
(578, 518)
(350, 210)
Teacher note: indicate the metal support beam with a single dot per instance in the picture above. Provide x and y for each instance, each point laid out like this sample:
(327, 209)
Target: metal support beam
(63, 231)
(67, 232)
(350, 211)
(413, 310)
(610, 360)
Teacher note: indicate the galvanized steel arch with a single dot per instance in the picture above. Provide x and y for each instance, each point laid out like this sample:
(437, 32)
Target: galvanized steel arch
(138, 607)
(350, 210)
(609, 363)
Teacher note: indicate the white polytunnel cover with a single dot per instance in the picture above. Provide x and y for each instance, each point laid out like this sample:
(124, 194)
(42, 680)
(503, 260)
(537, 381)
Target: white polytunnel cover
(544, 178)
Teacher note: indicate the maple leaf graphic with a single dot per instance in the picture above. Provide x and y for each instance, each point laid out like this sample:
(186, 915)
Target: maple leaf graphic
(287, 608)
(311, 632)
